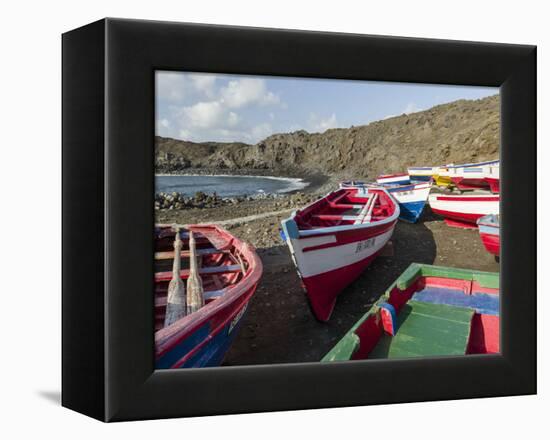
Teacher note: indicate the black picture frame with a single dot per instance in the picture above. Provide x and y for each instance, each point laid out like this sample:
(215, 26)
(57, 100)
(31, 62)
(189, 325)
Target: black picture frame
(108, 189)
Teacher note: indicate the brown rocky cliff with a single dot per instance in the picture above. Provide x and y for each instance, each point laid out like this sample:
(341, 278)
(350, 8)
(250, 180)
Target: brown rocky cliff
(458, 132)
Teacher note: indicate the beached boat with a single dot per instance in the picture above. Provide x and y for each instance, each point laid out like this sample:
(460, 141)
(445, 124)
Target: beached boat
(427, 311)
(483, 175)
(423, 174)
(489, 231)
(411, 198)
(229, 271)
(463, 210)
(426, 174)
(393, 179)
(493, 179)
(335, 238)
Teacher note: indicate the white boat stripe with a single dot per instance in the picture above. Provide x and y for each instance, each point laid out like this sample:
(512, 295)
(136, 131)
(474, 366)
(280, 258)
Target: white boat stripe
(324, 260)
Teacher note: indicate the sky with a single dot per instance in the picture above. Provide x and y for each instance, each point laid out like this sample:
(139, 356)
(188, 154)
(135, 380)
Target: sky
(203, 107)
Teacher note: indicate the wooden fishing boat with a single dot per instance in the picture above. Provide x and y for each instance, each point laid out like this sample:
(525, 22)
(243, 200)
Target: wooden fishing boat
(423, 174)
(428, 311)
(335, 238)
(411, 198)
(229, 271)
(463, 211)
(489, 231)
(426, 174)
(393, 179)
(483, 175)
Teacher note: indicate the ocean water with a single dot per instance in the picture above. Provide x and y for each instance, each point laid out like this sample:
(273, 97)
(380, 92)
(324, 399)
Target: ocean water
(227, 186)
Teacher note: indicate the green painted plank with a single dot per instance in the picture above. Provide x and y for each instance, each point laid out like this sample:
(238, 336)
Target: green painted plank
(344, 350)
(487, 279)
(427, 329)
(408, 277)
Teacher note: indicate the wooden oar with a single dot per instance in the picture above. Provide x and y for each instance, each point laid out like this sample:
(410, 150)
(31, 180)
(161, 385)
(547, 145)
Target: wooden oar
(195, 298)
(175, 306)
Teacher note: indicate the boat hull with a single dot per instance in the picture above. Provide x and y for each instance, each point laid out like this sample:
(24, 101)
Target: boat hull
(393, 179)
(421, 177)
(206, 346)
(481, 176)
(463, 211)
(422, 174)
(494, 184)
(326, 272)
(411, 199)
(489, 232)
(443, 181)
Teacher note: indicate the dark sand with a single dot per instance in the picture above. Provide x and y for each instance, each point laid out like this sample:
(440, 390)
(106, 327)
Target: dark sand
(279, 326)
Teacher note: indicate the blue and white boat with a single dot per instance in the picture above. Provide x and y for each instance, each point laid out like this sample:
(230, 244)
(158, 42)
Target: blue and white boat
(411, 198)
(423, 174)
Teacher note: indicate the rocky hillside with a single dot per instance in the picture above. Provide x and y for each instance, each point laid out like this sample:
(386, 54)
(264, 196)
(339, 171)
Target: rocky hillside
(461, 131)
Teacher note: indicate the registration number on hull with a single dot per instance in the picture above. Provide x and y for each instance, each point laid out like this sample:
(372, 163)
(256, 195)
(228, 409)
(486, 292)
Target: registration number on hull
(237, 318)
(364, 245)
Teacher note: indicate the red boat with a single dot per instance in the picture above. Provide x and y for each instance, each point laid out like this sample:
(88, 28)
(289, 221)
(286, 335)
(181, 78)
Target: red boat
(483, 175)
(489, 231)
(229, 271)
(463, 211)
(335, 238)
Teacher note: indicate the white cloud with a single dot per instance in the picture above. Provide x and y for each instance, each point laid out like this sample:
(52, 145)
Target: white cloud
(246, 91)
(179, 87)
(205, 83)
(318, 124)
(204, 107)
(185, 134)
(170, 86)
(233, 119)
(203, 114)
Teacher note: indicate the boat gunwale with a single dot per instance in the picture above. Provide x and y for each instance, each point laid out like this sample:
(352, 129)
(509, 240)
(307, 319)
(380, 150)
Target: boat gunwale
(334, 229)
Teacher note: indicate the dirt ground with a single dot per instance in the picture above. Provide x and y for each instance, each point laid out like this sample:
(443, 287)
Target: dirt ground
(279, 326)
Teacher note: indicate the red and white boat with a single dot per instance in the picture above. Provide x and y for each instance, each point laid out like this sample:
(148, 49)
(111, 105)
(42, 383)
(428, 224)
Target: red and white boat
(483, 175)
(335, 238)
(463, 211)
(489, 231)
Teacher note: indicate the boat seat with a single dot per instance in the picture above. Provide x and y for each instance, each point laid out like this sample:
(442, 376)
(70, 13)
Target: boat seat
(167, 276)
(169, 255)
(485, 303)
(426, 329)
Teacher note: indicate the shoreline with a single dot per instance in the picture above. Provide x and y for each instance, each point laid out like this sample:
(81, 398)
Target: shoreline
(309, 182)
(296, 183)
